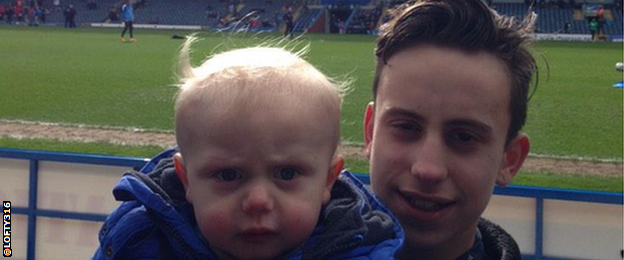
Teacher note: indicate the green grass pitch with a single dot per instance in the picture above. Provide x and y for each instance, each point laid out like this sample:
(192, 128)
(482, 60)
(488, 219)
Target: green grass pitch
(85, 76)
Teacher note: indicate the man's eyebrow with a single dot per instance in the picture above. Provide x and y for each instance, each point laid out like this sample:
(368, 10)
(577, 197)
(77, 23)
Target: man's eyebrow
(399, 112)
(480, 126)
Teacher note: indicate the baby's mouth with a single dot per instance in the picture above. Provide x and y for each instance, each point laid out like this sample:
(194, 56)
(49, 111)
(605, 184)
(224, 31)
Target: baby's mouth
(258, 235)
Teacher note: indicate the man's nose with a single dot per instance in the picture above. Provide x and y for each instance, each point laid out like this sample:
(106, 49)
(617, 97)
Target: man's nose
(429, 159)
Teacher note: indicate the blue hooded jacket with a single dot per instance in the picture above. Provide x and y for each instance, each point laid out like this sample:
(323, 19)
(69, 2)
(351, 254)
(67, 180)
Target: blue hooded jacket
(154, 221)
(127, 13)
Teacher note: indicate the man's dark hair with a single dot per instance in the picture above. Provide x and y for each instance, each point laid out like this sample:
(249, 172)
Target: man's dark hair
(468, 25)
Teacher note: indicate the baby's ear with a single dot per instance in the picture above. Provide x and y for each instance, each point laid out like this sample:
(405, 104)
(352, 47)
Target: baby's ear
(332, 175)
(178, 164)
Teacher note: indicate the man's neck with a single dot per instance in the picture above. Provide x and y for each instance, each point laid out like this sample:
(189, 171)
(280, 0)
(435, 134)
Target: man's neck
(448, 250)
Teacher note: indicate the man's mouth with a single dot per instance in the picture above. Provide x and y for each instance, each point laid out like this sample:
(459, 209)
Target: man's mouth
(426, 204)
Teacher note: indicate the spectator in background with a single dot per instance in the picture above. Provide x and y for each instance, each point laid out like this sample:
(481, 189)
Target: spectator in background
(112, 14)
(567, 27)
(601, 21)
(2, 12)
(91, 5)
(341, 26)
(31, 17)
(42, 12)
(57, 5)
(231, 8)
(70, 16)
(40, 15)
(593, 28)
(18, 11)
(127, 15)
(9, 14)
(288, 21)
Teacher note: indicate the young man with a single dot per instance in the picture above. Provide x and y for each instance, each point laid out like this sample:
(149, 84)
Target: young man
(257, 174)
(127, 15)
(450, 97)
(288, 21)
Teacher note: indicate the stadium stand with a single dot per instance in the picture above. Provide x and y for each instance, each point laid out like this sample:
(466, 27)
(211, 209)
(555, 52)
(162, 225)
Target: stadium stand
(552, 18)
(364, 20)
(84, 15)
(352, 16)
(307, 18)
(261, 15)
(183, 12)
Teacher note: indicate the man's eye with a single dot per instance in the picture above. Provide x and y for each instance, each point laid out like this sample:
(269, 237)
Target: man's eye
(464, 137)
(228, 175)
(407, 126)
(286, 173)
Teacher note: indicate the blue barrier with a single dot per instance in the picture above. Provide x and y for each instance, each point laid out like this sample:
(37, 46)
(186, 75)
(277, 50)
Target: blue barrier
(32, 212)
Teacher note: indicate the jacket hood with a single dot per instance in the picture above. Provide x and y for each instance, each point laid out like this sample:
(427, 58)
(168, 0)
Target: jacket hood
(497, 242)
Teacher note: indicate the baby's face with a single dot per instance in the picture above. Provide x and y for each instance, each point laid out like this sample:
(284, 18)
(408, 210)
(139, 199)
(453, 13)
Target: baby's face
(257, 182)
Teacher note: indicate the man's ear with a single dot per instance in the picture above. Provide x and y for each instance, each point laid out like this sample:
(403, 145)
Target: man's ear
(178, 164)
(369, 125)
(332, 176)
(515, 154)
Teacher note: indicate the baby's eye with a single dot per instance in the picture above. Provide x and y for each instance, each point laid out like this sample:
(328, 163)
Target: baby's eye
(286, 173)
(228, 175)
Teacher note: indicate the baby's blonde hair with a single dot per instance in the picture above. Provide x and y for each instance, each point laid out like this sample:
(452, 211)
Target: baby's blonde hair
(245, 77)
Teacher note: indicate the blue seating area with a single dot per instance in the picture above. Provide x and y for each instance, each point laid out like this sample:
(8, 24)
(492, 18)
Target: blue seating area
(83, 15)
(183, 12)
(364, 20)
(55, 15)
(267, 14)
(551, 19)
(618, 26)
(306, 19)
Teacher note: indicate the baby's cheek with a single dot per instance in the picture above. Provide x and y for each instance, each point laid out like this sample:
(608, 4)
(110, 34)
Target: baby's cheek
(214, 223)
(301, 221)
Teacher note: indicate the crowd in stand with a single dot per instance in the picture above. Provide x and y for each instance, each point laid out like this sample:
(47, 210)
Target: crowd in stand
(23, 12)
(264, 14)
(34, 12)
(365, 21)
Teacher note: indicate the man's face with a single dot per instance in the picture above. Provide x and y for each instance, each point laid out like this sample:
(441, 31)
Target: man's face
(257, 181)
(436, 142)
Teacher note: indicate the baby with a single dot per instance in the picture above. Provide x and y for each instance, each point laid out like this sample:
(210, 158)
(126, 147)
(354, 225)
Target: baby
(258, 130)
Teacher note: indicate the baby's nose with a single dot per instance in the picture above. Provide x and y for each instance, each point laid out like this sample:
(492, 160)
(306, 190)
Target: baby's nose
(258, 200)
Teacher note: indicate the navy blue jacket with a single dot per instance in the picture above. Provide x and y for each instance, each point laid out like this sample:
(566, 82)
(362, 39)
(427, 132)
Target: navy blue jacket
(154, 221)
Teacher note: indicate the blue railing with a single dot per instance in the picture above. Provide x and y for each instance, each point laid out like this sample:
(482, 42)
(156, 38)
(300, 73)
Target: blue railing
(32, 212)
